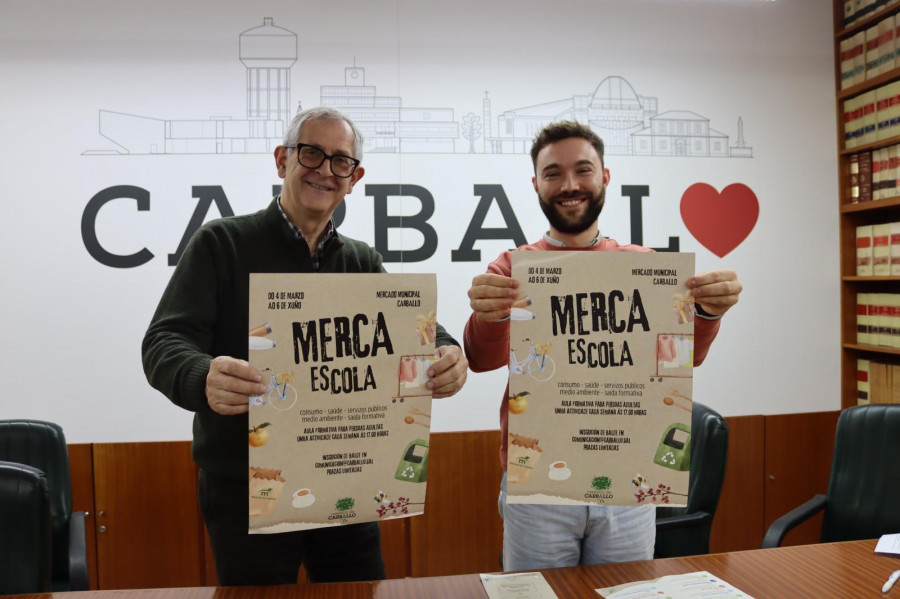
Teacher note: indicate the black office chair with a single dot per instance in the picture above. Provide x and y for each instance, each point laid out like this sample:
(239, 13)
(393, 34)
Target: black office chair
(684, 531)
(43, 446)
(861, 499)
(25, 526)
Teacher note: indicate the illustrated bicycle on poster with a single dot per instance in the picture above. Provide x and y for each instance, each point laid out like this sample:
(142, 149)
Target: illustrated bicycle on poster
(280, 394)
(538, 363)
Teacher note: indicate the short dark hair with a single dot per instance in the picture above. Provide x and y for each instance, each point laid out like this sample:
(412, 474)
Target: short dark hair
(560, 130)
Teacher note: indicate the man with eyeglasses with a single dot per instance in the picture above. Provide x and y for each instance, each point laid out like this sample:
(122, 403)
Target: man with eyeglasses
(195, 350)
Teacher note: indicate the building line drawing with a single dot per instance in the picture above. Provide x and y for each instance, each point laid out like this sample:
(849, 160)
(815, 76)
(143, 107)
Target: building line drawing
(267, 52)
(386, 125)
(629, 123)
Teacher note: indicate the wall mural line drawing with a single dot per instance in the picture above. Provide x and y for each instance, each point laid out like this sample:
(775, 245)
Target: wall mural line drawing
(629, 123)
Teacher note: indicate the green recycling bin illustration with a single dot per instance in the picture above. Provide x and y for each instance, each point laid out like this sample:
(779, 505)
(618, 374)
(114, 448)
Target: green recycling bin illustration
(674, 450)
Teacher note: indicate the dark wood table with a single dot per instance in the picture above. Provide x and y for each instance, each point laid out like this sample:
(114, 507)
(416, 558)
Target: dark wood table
(846, 570)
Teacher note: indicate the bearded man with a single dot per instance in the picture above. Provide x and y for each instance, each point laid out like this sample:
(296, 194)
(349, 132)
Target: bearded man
(570, 180)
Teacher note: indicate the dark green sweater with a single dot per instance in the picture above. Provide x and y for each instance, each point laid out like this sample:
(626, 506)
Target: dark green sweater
(203, 313)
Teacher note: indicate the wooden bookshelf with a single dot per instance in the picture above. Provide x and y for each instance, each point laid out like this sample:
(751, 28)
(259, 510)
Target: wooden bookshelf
(853, 215)
(872, 349)
(884, 204)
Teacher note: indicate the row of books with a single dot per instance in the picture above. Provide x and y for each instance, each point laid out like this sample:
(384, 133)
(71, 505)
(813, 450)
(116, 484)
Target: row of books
(877, 382)
(857, 10)
(878, 319)
(870, 52)
(878, 250)
(875, 174)
(872, 116)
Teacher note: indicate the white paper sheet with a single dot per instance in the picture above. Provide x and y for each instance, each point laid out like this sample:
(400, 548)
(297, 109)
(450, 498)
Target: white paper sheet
(680, 586)
(527, 585)
(889, 544)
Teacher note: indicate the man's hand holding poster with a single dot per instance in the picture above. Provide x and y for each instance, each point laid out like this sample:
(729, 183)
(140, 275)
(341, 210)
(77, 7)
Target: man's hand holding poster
(341, 434)
(600, 377)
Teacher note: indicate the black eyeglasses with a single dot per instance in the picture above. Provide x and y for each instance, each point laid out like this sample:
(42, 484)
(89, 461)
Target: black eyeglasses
(312, 157)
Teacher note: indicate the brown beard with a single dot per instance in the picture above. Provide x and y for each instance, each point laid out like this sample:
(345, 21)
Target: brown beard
(563, 225)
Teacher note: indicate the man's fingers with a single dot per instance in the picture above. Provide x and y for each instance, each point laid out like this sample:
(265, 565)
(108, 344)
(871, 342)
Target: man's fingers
(711, 291)
(448, 390)
(227, 403)
(491, 296)
(449, 385)
(237, 368)
(487, 291)
(445, 361)
(448, 356)
(493, 286)
(229, 384)
(492, 310)
(494, 280)
(707, 278)
(448, 373)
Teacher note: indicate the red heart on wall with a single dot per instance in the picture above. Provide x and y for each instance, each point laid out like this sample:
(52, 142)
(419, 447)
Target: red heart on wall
(719, 221)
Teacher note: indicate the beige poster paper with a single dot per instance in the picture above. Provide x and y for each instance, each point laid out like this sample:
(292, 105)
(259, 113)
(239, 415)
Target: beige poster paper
(600, 377)
(341, 436)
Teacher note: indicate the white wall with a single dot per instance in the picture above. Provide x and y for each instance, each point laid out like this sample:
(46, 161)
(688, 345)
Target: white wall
(72, 327)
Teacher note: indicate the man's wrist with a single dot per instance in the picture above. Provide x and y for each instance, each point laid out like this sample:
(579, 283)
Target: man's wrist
(704, 314)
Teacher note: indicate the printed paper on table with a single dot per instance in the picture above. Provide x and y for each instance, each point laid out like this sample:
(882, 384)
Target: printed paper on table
(341, 436)
(695, 585)
(600, 378)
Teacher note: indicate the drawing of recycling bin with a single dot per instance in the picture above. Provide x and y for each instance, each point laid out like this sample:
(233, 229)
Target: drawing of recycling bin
(674, 450)
(413, 466)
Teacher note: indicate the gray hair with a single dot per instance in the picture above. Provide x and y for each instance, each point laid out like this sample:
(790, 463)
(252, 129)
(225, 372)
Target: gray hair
(324, 113)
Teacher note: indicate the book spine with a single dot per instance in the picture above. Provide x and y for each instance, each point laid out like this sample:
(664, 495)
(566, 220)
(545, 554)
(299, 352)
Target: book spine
(895, 249)
(877, 174)
(846, 64)
(872, 318)
(862, 382)
(890, 186)
(879, 383)
(859, 57)
(872, 52)
(869, 118)
(864, 251)
(854, 179)
(865, 176)
(849, 10)
(852, 122)
(883, 320)
(886, 42)
(881, 250)
(862, 319)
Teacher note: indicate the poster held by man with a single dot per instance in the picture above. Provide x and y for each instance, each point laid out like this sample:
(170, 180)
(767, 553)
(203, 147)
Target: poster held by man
(341, 434)
(600, 378)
